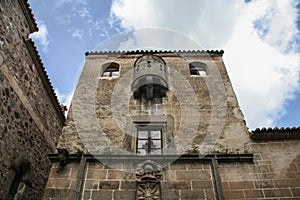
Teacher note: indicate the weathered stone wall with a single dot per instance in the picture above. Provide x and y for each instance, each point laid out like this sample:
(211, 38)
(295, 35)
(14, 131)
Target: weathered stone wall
(273, 175)
(115, 180)
(196, 111)
(30, 117)
(96, 125)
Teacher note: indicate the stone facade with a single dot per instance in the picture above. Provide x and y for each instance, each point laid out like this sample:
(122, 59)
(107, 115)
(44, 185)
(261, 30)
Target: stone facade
(142, 125)
(207, 150)
(30, 116)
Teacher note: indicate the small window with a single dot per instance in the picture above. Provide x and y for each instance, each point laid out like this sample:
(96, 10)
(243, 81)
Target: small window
(111, 70)
(20, 182)
(198, 69)
(149, 140)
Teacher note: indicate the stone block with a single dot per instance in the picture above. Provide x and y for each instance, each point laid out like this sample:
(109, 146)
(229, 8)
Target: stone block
(62, 183)
(238, 194)
(192, 194)
(96, 174)
(102, 194)
(202, 184)
(178, 166)
(128, 185)
(169, 175)
(264, 184)
(286, 183)
(295, 192)
(253, 194)
(109, 185)
(170, 194)
(193, 175)
(210, 194)
(124, 195)
(95, 165)
(169, 185)
(119, 175)
(91, 184)
(241, 185)
(225, 185)
(277, 193)
(86, 195)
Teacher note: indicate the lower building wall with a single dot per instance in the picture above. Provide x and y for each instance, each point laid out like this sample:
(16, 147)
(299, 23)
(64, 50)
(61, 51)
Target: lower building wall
(179, 180)
(272, 173)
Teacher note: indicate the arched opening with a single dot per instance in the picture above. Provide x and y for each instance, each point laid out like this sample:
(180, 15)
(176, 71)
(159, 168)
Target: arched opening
(110, 70)
(198, 69)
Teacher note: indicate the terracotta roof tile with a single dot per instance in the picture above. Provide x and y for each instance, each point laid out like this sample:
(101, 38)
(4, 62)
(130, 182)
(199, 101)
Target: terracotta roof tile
(28, 14)
(275, 133)
(45, 79)
(155, 51)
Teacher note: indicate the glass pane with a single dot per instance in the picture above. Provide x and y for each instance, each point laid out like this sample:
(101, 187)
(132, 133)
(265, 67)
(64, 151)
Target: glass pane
(193, 71)
(202, 73)
(155, 134)
(141, 152)
(155, 144)
(106, 74)
(142, 144)
(142, 134)
(156, 152)
(114, 74)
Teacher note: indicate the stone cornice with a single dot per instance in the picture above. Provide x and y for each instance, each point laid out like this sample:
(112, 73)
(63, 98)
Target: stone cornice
(197, 52)
(28, 15)
(275, 133)
(45, 79)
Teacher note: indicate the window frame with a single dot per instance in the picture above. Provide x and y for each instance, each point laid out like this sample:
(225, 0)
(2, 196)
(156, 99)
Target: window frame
(110, 68)
(198, 69)
(149, 149)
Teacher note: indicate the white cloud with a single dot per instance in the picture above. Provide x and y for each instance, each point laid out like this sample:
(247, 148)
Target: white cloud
(257, 38)
(84, 12)
(76, 33)
(64, 99)
(41, 36)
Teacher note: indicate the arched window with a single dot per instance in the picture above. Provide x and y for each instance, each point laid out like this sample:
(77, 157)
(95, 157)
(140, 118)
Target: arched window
(110, 70)
(198, 69)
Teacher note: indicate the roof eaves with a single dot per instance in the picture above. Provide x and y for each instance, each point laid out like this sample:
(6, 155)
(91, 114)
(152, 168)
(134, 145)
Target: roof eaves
(275, 133)
(45, 79)
(220, 52)
(28, 15)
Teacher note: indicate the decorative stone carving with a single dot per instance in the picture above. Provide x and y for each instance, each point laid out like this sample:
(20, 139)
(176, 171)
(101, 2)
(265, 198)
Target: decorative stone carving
(148, 176)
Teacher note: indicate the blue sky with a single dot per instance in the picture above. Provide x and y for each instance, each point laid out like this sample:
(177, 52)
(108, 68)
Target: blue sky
(260, 38)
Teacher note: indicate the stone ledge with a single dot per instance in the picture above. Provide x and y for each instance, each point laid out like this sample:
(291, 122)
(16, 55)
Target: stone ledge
(247, 157)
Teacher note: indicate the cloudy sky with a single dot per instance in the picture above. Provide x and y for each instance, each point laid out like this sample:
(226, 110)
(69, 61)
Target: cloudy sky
(261, 40)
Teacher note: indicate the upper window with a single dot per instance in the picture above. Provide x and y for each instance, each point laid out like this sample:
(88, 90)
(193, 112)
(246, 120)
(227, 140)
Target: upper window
(111, 70)
(149, 140)
(198, 69)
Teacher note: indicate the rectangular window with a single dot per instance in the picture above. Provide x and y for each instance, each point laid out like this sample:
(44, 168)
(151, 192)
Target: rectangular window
(149, 140)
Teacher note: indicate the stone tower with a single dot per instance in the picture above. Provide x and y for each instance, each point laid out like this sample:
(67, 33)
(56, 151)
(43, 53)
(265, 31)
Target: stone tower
(143, 124)
(167, 125)
(31, 119)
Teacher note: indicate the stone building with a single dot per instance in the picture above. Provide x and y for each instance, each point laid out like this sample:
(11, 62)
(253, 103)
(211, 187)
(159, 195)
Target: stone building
(167, 125)
(142, 125)
(30, 117)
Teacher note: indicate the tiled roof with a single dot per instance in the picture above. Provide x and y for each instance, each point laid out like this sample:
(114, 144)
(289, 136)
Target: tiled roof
(28, 14)
(155, 51)
(275, 133)
(45, 79)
